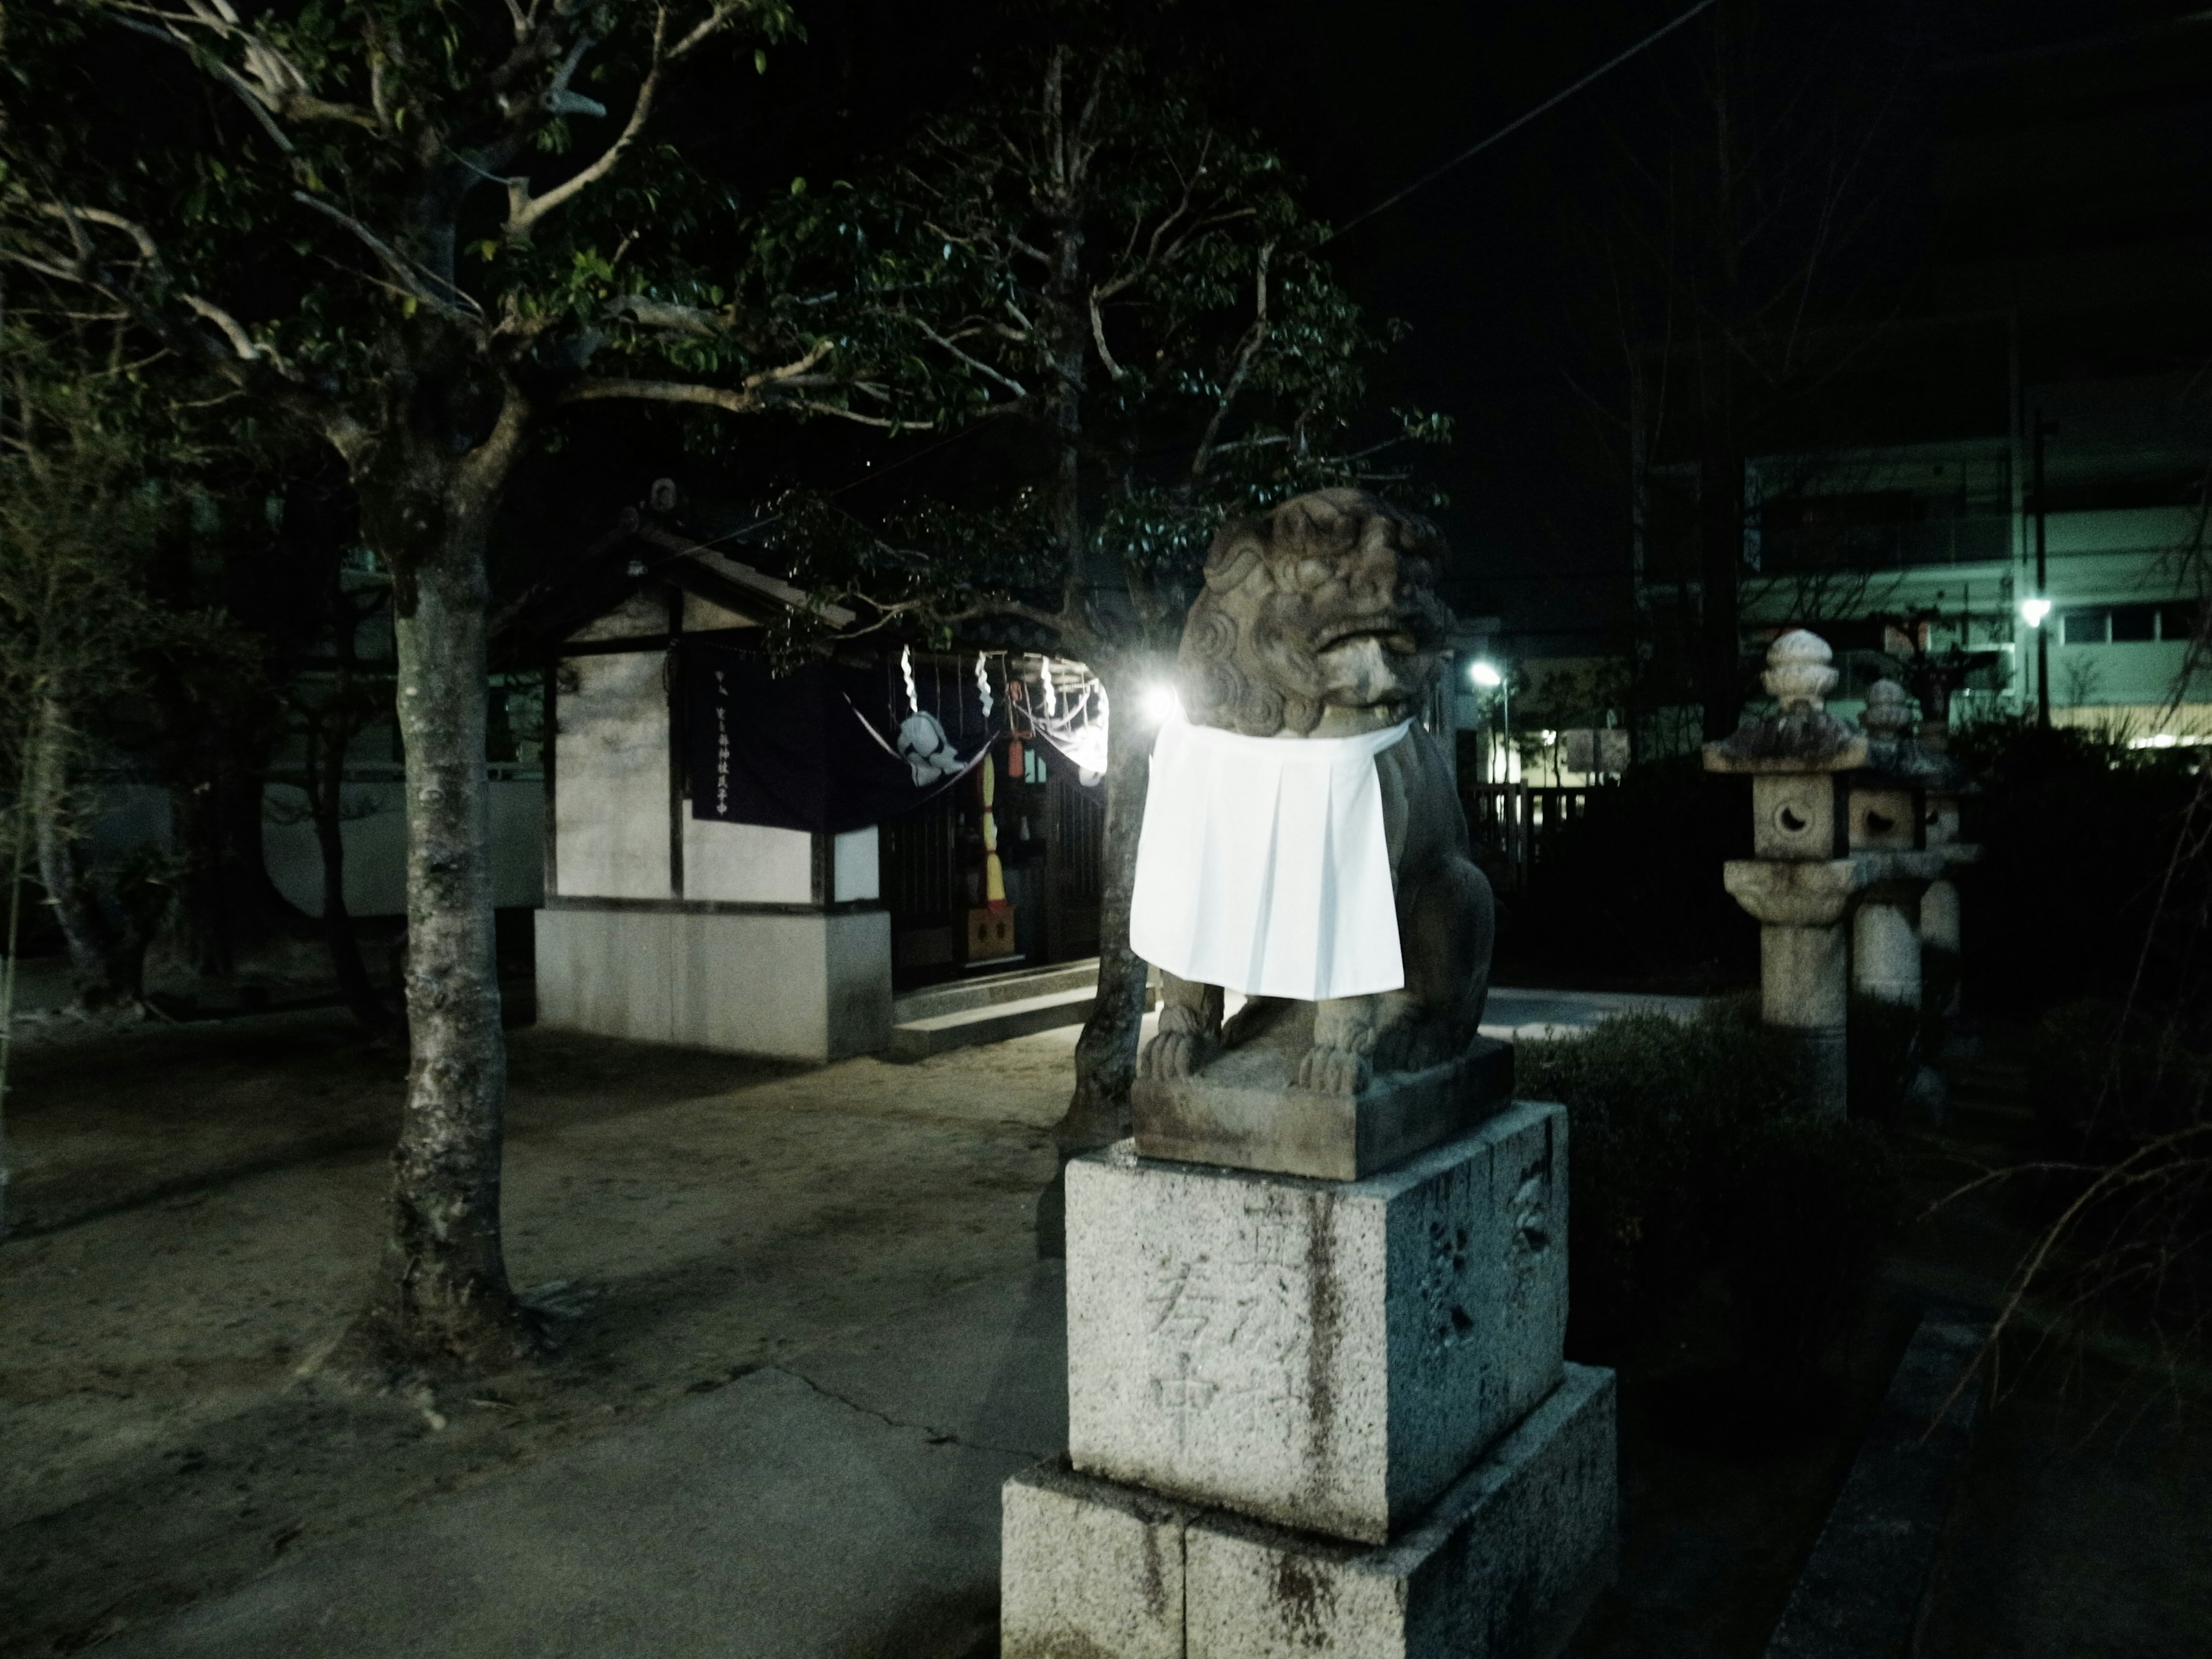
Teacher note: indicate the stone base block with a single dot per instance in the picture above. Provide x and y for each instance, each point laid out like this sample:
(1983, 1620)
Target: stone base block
(1241, 1111)
(1318, 1354)
(1502, 1566)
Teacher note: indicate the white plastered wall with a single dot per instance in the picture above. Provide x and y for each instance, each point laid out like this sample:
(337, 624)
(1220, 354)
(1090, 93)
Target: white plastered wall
(610, 779)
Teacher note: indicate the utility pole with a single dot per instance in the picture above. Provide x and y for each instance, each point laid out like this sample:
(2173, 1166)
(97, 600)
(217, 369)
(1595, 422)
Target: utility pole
(2042, 582)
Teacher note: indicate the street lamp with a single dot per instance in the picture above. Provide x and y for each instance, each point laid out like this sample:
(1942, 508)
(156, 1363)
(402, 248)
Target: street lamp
(2032, 611)
(1492, 678)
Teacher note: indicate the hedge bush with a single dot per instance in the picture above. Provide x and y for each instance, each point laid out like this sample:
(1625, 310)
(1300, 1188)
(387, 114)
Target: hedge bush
(1688, 1155)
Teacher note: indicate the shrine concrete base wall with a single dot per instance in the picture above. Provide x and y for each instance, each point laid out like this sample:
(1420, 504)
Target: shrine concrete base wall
(795, 984)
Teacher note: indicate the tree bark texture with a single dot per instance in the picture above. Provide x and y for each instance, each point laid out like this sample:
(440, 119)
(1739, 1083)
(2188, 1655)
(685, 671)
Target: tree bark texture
(443, 1300)
(104, 968)
(1106, 1053)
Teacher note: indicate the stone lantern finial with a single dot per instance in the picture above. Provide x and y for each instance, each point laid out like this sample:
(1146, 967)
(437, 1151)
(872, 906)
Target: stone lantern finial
(1797, 673)
(1800, 736)
(1888, 715)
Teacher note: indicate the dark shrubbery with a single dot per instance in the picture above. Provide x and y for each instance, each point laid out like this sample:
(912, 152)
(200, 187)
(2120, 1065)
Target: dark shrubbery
(1883, 1040)
(1686, 1157)
(2078, 834)
(2123, 1102)
(1814, 1206)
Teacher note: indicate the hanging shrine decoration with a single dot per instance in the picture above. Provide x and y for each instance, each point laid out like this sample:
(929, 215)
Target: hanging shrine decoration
(826, 747)
(994, 873)
(1075, 723)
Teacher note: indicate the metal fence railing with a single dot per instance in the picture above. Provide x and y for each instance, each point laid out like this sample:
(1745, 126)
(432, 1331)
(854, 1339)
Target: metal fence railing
(1519, 824)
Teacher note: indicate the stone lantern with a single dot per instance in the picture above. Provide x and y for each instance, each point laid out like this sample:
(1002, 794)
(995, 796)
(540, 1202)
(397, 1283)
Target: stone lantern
(1888, 817)
(1802, 880)
(1940, 923)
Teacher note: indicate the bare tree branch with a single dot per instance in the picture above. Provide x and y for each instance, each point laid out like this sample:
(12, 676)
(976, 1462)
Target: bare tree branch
(522, 212)
(1247, 350)
(412, 277)
(240, 341)
(944, 343)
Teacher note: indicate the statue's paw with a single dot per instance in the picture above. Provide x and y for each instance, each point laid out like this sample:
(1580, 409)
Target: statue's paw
(1172, 1054)
(1330, 1071)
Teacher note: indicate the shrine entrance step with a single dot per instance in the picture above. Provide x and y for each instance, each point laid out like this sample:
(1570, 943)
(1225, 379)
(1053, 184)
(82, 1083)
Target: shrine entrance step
(990, 1010)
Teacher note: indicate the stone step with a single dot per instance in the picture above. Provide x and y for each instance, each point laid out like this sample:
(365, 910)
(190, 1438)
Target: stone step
(982, 992)
(965, 1027)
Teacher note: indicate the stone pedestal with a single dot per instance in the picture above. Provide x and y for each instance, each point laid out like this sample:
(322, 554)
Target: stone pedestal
(1886, 945)
(1243, 1110)
(1313, 1417)
(1501, 1566)
(1323, 1355)
(1804, 960)
(1885, 930)
(1942, 926)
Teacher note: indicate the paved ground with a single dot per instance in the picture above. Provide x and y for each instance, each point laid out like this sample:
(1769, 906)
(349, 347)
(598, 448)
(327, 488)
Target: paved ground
(1512, 1013)
(824, 1360)
(839, 1497)
(843, 1504)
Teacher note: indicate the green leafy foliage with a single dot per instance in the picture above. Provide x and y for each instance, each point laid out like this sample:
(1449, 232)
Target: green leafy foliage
(406, 226)
(1086, 254)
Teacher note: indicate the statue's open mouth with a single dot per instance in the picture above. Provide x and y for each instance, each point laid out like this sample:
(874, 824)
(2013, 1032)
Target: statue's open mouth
(1391, 634)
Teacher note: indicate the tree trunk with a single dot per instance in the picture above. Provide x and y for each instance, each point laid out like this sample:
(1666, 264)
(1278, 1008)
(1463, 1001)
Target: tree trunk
(442, 1301)
(1106, 1053)
(102, 962)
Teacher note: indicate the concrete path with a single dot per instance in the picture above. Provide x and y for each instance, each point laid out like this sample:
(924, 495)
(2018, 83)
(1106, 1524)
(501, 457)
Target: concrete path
(844, 1505)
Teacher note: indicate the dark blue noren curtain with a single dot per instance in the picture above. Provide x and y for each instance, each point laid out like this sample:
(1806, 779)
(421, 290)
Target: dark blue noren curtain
(791, 751)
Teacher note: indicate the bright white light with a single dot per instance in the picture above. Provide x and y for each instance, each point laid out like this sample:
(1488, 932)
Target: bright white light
(1161, 703)
(1484, 674)
(2032, 611)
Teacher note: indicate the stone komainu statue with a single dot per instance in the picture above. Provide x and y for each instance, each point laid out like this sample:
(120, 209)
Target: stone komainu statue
(1320, 620)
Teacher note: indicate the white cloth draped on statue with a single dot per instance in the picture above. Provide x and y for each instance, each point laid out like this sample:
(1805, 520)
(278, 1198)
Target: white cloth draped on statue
(1262, 865)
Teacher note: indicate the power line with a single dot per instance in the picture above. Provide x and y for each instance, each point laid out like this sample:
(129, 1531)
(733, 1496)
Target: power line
(1517, 121)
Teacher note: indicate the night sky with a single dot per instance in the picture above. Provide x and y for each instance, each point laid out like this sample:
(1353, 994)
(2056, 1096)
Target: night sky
(1507, 268)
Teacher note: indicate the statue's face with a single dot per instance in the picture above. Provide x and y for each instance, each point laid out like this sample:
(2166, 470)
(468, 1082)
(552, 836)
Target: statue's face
(1375, 627)
(1328, 602)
